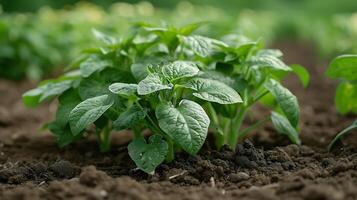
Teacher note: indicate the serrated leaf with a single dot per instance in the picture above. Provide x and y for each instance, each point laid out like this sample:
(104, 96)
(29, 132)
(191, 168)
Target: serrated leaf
(202, 46)
(213, 91)
(283, 126)
(179, 69)
(129, 118)
(147, 156)
(34, 97)
(346, 98)
(344, 67)
(286, 100)
(152, 83)
(342, 134)
(124, 89)
(92, 64)
(88, 112)
(187, 124)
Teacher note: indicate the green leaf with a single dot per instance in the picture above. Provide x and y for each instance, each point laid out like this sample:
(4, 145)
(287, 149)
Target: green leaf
(106, 39)
(147, 156)
(139, 71)
(202, 46)
(341, 134)
(186, 124)
(88, 112)
(302, 74)
(126, 90)
(92, 64)
(129, 118)
(67, 102)
(346, 98)
(63, 135)
(283, 126)
(286, 100)
(90, 87)
(269, 61)
(152, 83)
(34, 97)
(344, 67)
(179, 69)
(189, 28)
(213, 91)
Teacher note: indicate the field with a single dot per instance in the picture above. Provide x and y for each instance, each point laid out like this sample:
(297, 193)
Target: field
(263, 165)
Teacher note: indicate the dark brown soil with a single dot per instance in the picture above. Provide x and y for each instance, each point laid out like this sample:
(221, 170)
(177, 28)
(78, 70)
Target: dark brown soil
(263, 167)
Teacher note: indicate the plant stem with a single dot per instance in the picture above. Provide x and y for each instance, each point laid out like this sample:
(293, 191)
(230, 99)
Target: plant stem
(171, 153)
(233, 134)
(244, 132)
(104, 138)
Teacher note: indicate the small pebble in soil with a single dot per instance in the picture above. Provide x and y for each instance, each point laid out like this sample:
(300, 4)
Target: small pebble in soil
(238, 177)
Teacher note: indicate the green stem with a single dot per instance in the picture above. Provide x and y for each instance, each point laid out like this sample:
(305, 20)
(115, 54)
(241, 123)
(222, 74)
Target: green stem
(245, 131)
(233, 134)
(104, 138)
(219, 137)
(171, 153)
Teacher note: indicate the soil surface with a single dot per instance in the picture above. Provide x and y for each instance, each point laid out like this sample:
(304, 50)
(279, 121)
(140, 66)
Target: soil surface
(264, 166)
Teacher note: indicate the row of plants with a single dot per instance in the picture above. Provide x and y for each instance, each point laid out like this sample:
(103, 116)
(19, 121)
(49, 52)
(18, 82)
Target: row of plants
(34, 45)
(178, 84)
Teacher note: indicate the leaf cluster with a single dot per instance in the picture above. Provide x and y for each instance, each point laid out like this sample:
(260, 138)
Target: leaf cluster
(173, 82)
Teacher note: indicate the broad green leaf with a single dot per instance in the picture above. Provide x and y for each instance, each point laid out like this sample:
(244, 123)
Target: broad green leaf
(88, 112)
(179, 69)
(152, 83)
(129, 118)
(189, 28)
(342, 133)
(283, 126)
(270, 52)
(302, 73)
(213, 91)
(34, 97)
(139, 71)
(67, 102)
(90, 87)
(63, 135)
(344, 67)
(202, 46)
(286, 100)
(187, 124)
(268, 61)
(92, 64)
(106, 39)
(147, 156)
(346, 98)
(124, 89)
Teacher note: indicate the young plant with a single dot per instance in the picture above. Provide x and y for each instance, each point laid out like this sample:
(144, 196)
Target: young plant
(255, 73)
(344, 68)
(169, 81)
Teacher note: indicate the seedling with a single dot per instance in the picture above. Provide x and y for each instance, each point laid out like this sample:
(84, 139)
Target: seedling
(174, 83)
(344, 68)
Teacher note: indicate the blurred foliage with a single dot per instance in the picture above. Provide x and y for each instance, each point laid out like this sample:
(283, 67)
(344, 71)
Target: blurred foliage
(35, 44)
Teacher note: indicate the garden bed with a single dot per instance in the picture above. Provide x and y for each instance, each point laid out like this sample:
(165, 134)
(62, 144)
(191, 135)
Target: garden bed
(263, 167)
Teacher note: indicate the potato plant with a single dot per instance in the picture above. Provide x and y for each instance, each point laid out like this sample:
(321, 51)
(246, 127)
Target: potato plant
(173, 82)
(344, 68)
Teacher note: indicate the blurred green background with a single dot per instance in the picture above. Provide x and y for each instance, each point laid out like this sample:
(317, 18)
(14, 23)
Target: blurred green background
(39, 37)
